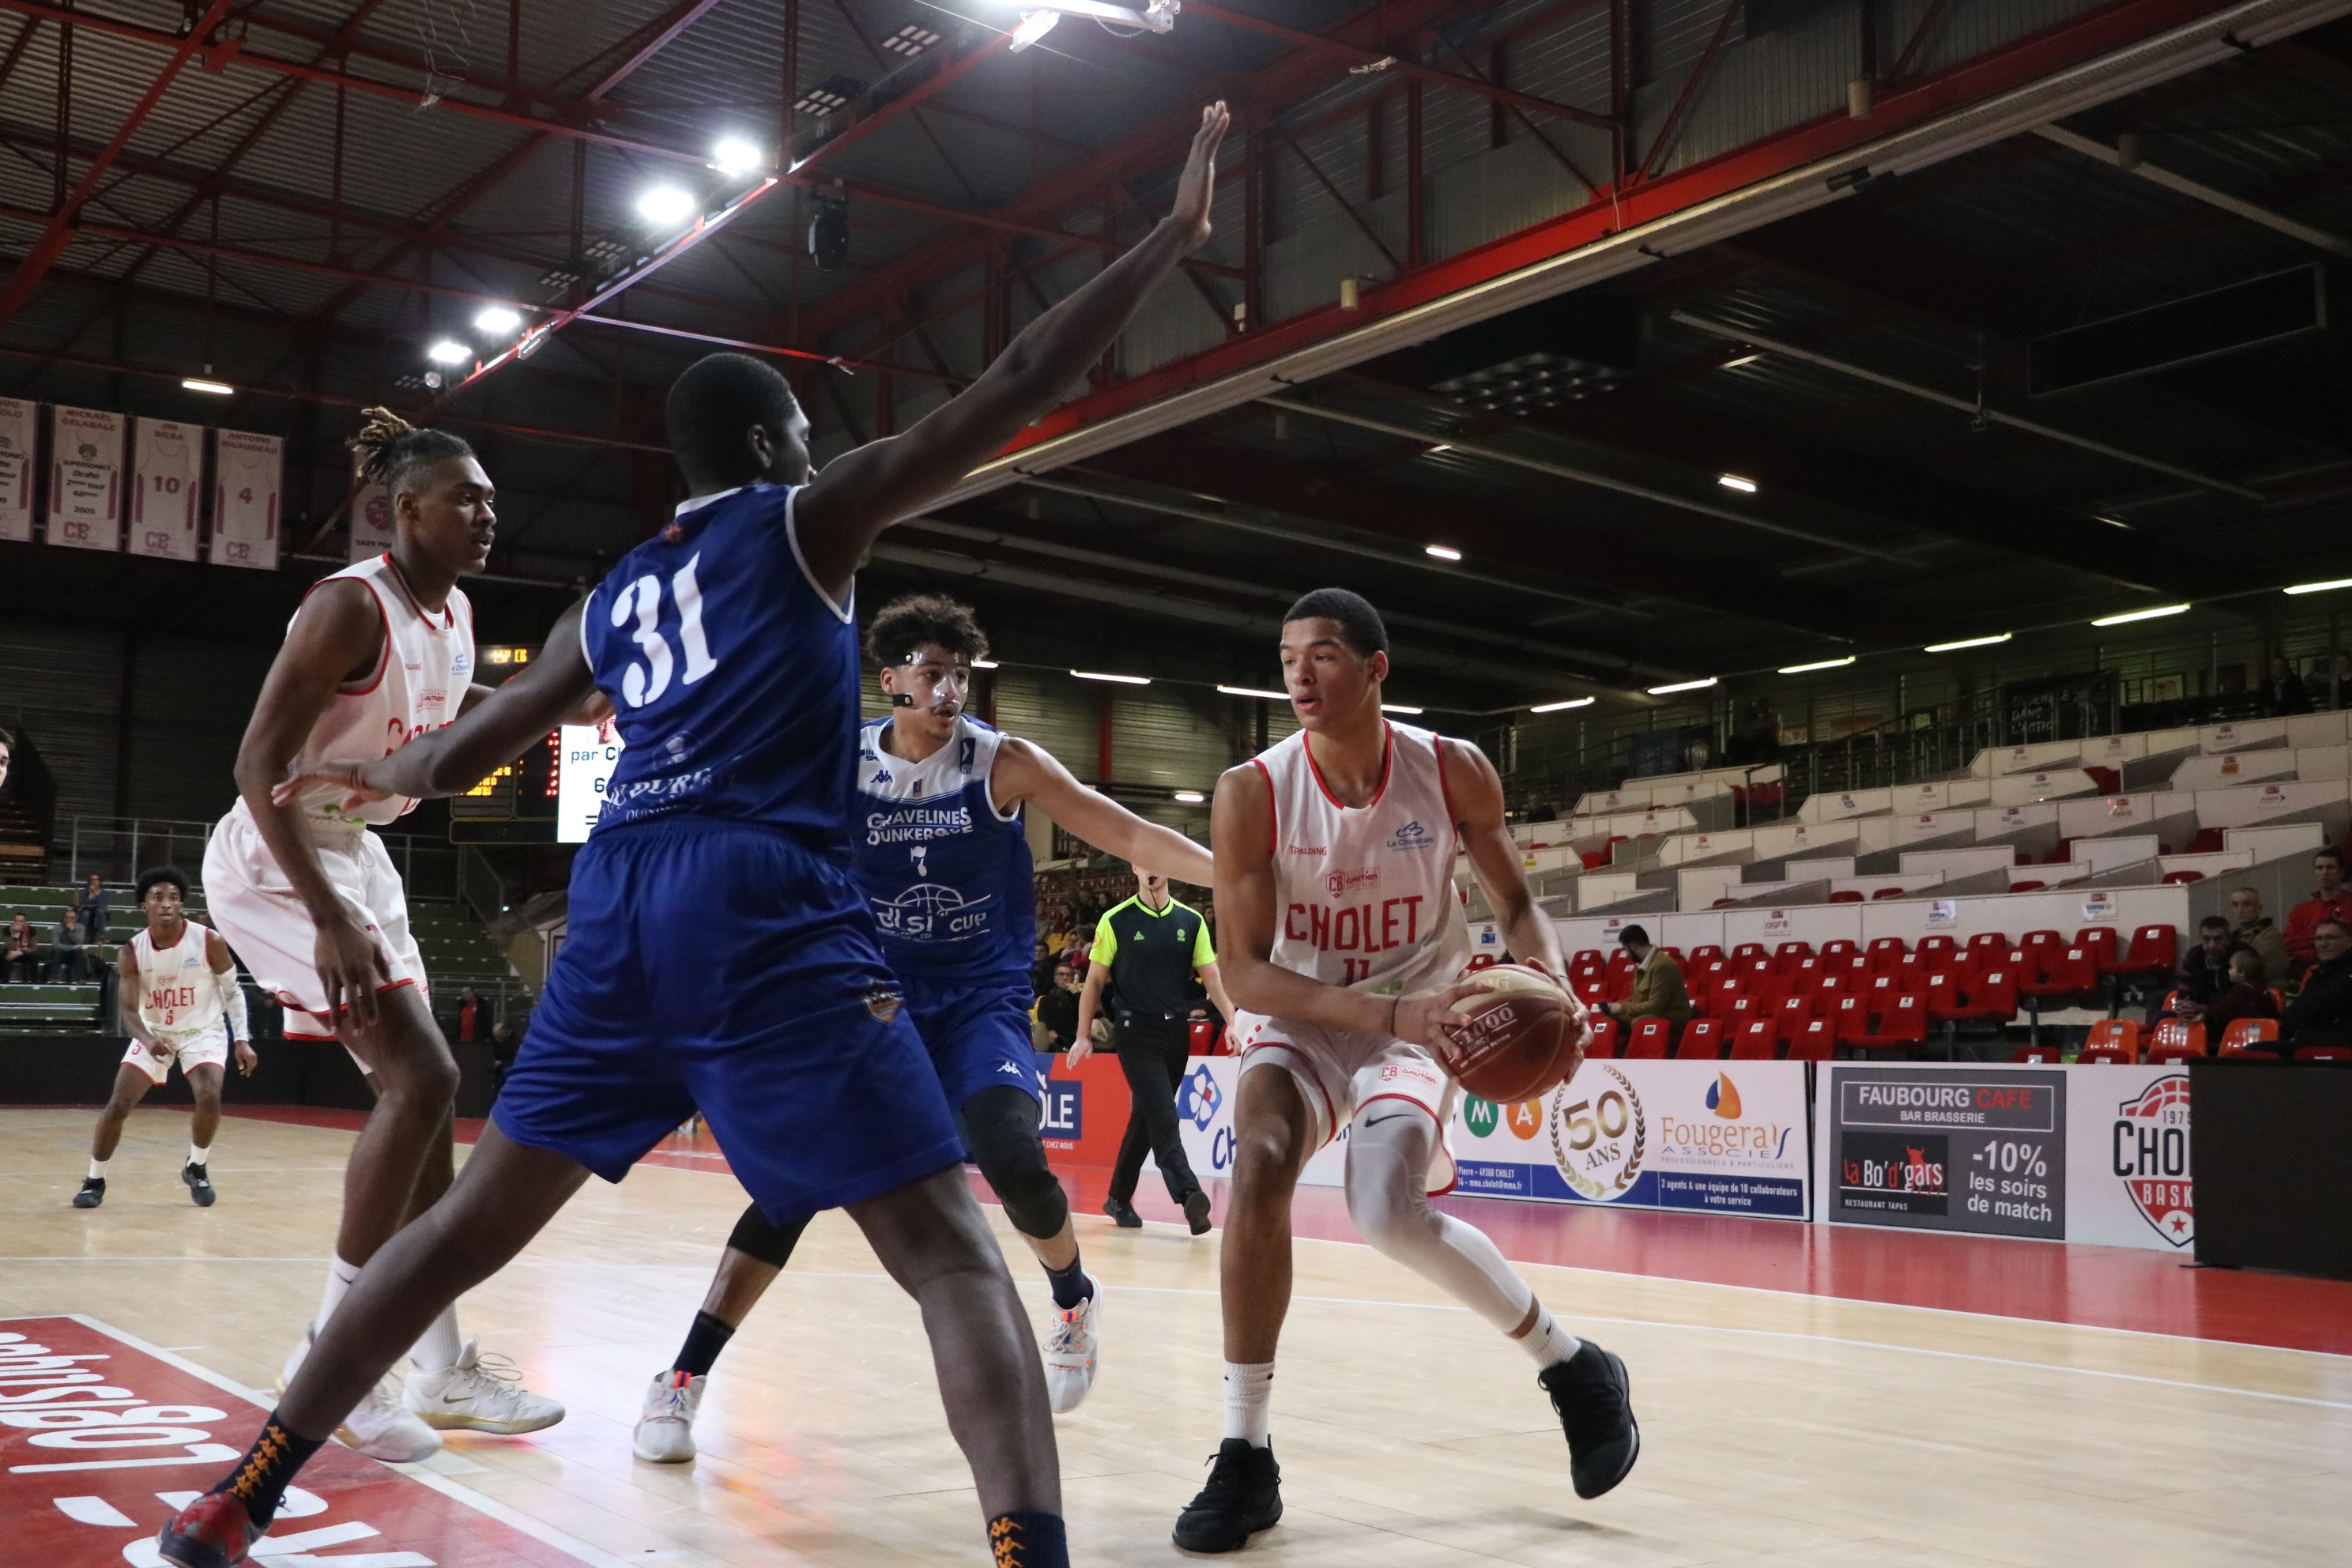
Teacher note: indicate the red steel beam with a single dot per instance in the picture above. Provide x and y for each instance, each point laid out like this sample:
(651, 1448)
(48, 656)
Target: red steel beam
(915, 97)
(58, 234)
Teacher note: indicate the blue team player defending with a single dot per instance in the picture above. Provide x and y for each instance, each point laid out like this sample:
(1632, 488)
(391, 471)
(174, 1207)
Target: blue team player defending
(722, 956)
(944, 862)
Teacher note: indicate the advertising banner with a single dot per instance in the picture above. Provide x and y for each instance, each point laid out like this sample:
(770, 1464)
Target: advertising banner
(248, 473)
(1977, 1149)
(584, 761)
(2127, 1150)
(372, 524)
(85, 477)
(16, 460)
(166, 470)
(1205, 1117)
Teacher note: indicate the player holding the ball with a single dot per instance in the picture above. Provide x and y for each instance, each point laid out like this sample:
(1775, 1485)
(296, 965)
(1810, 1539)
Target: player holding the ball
(1344, 943)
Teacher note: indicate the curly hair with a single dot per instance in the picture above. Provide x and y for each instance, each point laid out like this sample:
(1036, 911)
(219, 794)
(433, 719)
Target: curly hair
(388, 447)
(148, 880)
(903, 624)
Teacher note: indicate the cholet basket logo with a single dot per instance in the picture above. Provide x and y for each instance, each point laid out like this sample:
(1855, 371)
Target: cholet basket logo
(1598, 1133)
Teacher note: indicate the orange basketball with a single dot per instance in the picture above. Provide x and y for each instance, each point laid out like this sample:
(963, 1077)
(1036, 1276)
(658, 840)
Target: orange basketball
(1518, 1038)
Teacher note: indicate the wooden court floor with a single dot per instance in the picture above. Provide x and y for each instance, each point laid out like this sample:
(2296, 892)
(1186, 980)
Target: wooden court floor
(1778, 1428)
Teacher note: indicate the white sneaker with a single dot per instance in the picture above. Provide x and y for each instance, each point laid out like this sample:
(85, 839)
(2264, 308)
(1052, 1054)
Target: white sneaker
(1071, 1351)
(379, 1428)
(478, 1395)
(665, 1432)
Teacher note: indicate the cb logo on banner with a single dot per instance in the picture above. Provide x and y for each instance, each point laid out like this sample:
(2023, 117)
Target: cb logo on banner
(2151, 1157)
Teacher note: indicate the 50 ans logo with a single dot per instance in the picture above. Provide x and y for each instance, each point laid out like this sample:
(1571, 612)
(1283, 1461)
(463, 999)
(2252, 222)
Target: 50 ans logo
(1598, 1139)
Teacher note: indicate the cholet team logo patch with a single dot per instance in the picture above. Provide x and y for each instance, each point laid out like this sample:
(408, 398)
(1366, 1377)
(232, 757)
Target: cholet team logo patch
(2151, 1157)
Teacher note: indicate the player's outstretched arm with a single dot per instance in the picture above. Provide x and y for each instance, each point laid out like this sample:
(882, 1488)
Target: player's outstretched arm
(1476, 791)
(1027, 772)
(1249, 903)
(860, 494)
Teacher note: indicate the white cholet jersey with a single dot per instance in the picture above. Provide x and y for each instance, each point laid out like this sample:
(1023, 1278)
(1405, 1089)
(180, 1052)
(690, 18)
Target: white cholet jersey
(1366, 893)
(177, 995)
(418, 684)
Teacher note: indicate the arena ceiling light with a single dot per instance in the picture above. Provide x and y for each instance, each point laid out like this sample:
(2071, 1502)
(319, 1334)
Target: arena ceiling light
(983, 664)
(1397, 707)
(1117, 679)
(1562, 707)
(1734, 482)
(1443, 552)
(1966, 642)
(2129, 615)
(498, 320)
(1820, 664)
(1157, 17)
(665, 206)
(737, 158)
(1190, 796)
(2321, 587)
(1034, 26)
(203, 384)
(1671, 688)
(1254, 691)
(449, 350)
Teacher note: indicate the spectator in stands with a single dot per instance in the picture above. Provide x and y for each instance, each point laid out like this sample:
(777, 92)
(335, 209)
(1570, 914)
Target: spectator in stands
(506, 1040)
(94, 916)
(1058, 1010)
(24, 954)
(2204, 974)
(2322, 1013)
(68, 954)
(7, 751)
(2247, 996)
(2332, 901)
(2342, 680)
(469, 1015)
(2283, 690)
(2255, 930)
(1041, 969)
(1657, 983)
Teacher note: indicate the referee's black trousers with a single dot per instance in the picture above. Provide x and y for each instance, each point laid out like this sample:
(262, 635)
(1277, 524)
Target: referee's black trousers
(1151, 1052)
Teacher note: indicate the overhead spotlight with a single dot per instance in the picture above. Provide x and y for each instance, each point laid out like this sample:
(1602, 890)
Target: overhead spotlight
(983, 664)
(1562, 707)
(2116, 522)
(201, 383)
(1734, 482)
(2320, 587)
(1254, 691)
(828, 236)
(1121, 679)
(449, 350)
(1820, 664)
(737, 158)
(2129, 615)
(1443, 552)
(1397, 707)
(665, 206)
(498, 320)
(1669, 689)
(1034, 26)
(1190, 796)
(1966, 642)
(1736, 363)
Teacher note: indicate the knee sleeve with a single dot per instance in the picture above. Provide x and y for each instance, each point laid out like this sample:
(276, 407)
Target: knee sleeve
(1386, 1159)
(755, 1236)
(1000, 1126)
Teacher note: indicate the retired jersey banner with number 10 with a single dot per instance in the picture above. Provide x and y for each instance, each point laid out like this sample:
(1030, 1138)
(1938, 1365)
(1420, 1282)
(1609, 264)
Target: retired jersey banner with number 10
(85, 477)
(17, 464)
(247, 472)
(167, 469)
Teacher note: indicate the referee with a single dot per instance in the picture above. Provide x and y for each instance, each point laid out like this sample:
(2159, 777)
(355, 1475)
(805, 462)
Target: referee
(1147, 950)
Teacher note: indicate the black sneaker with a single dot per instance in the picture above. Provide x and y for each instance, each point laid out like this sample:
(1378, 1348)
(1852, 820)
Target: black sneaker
(200, 1185)
(1243, 1496)
(1121, 1211)
(1196, 1212)
(92, 1194)
(1593, 1396)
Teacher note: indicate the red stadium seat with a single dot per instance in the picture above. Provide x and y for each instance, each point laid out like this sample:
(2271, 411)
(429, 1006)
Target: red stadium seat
(1992, 995)
(1725, 904)
(1747, 950)
(2101, 943)
(1939, 943)
(2106, 781)
(1758, 1042)
(2208, 841)
(2154, 951)
(2033, 940)
(1817, 1042)
(2112, 1041)
(2036, 1053)
(1843, 947)
(2176, 1040)
(2325, 1054)
(1845, 896)
(2248, 1033)
(1852, 1017)
(1991, 942)
(2176, 879)
(1888, 893)
(1706, 954)
(1702, 1039)
(1785, 956)
(2068, 977)
(1651, 1038)
(1587, 955)
(1942, 993)
(1595, 858)
(1901, 1028)
(1604, 1040)
(1792, 1010)
(2028, 886)
(1738, 1009)
(1884, 951)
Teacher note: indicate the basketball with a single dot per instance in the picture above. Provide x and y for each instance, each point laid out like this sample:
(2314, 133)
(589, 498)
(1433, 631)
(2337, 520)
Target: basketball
(1519, 1039)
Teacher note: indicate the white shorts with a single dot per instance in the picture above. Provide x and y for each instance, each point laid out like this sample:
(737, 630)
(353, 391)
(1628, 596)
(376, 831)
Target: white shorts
(265, 920)
(191, 1051)
(1339, 1072)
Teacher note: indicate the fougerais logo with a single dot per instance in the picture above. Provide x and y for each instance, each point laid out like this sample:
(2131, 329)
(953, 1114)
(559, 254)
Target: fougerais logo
(1723, 1134)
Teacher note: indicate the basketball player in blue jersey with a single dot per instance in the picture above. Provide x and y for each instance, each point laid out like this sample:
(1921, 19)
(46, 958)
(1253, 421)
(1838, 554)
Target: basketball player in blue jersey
(943, 859)
(721, 957)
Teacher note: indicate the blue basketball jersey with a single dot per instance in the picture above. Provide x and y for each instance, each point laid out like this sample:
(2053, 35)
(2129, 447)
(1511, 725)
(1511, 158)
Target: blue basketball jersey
(946, 874)
(732, 675)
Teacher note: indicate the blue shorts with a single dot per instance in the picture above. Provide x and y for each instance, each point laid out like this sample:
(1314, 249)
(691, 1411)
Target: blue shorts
(729, 968)
(977, 1034)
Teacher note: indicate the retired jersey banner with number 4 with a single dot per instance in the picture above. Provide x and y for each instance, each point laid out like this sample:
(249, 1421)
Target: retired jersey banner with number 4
(167, 468)
(247, 472)
(17, 462)
(372, 529)
(85, 477)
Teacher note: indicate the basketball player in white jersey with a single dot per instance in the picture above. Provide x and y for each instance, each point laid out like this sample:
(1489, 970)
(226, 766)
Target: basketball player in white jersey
(1342, 939)
(181, 1004)
(379, 654)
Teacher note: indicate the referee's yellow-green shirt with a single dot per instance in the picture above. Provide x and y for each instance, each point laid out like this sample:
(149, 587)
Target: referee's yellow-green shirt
(1153, 954)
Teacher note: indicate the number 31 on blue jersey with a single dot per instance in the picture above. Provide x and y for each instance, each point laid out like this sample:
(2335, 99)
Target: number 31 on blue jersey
(643, 682)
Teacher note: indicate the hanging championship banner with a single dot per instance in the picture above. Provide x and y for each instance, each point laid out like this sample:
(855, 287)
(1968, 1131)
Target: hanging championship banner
(17, 458)
(247, 471)
(166, 469)
(372, 524)
(85, 477)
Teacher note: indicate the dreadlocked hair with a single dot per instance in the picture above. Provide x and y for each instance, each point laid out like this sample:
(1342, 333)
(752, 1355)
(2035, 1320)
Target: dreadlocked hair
(388, 447)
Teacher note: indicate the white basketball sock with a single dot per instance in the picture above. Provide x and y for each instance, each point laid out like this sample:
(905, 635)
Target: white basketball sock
(441, 1346)
(1249, 1397)
(340, 1276)
(97, 1170)
(1547, 1342)
(197, 1156)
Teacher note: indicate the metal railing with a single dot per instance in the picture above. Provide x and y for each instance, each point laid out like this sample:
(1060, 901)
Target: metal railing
(119, 848)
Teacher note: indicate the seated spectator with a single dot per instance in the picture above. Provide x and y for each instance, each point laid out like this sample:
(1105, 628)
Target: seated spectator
(2320, 1013)
(2331, 900)
(94, 916)
(473, 1019)
(2204, 973)
(2342, 680)
(2283, 690)
(506, 1040)
(2253, 929)
(2247, 996)
(1041, 968)
(1657, 983)
(69, 950)
(1058, 1010)
(23, 957)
